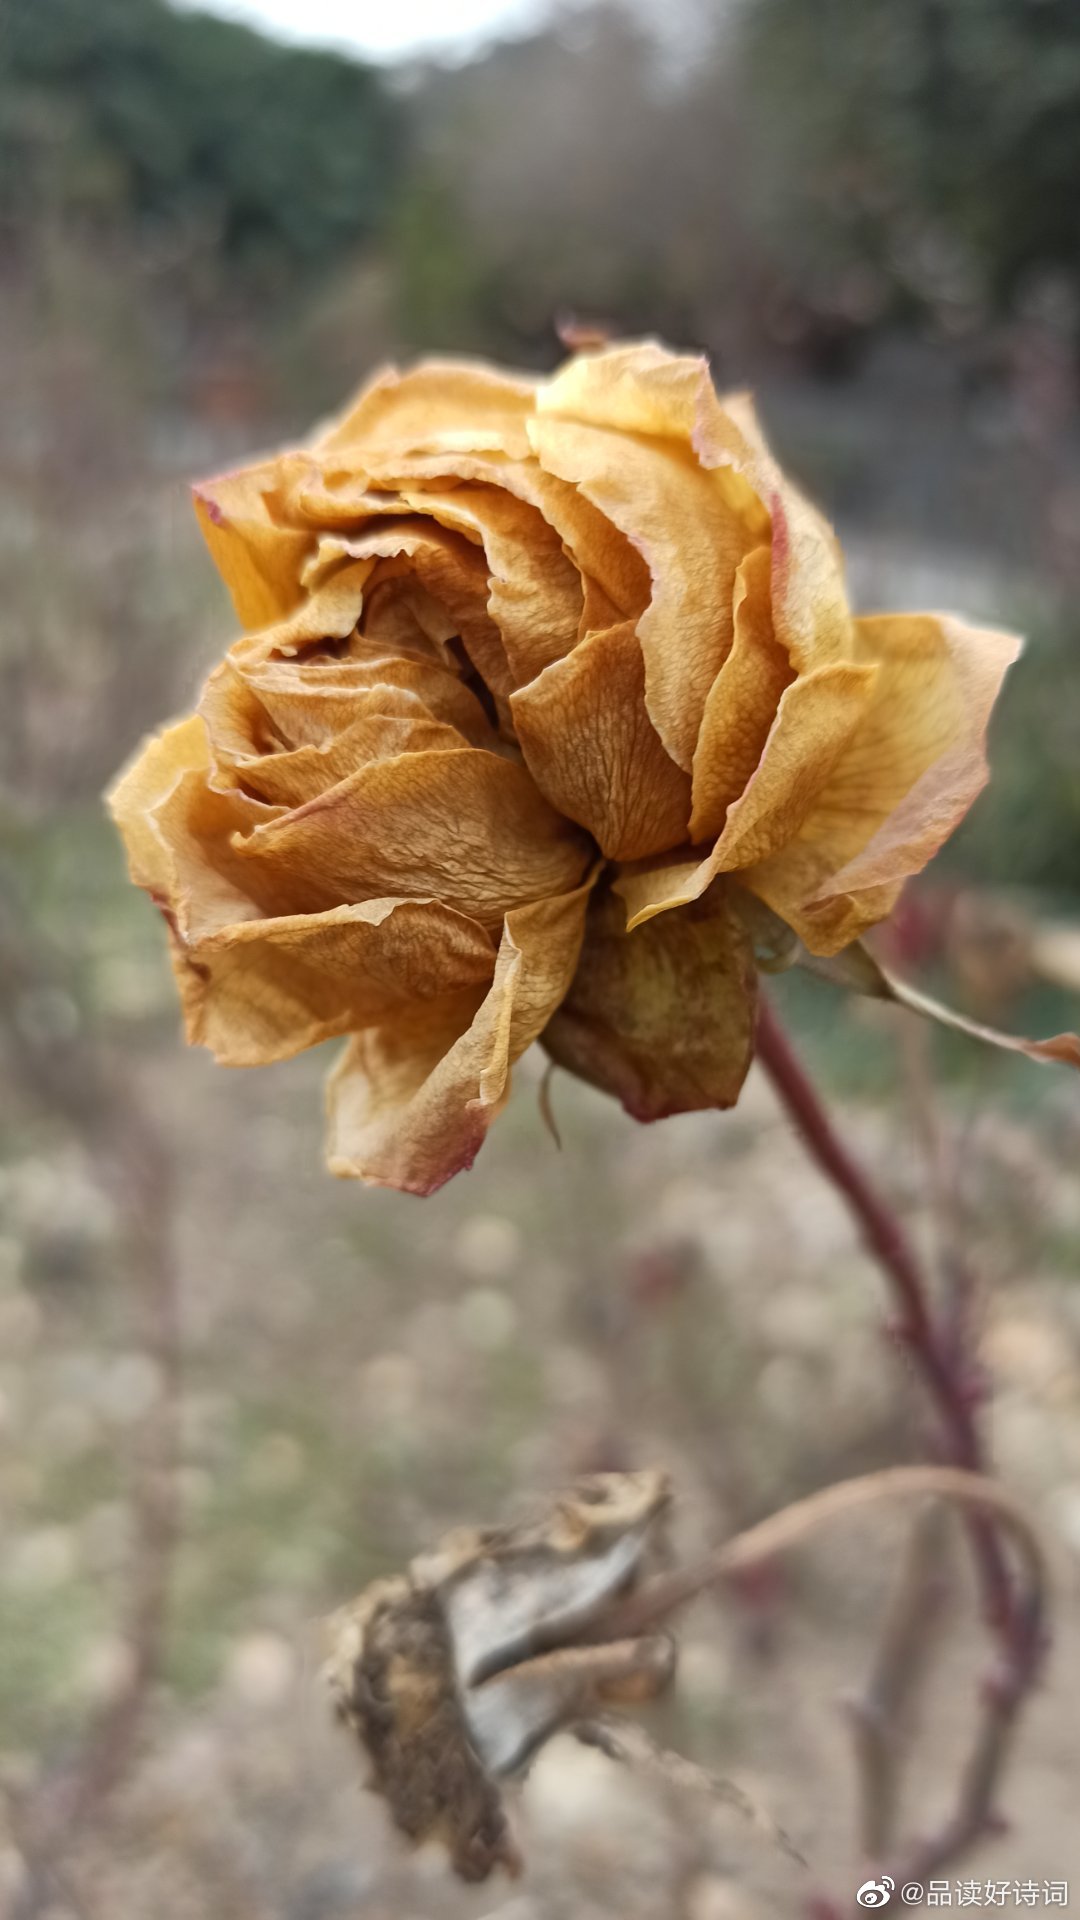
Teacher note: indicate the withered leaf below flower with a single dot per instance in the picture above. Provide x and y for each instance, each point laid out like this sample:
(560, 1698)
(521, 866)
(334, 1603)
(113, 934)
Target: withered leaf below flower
(662, 1017)
(455, 1673)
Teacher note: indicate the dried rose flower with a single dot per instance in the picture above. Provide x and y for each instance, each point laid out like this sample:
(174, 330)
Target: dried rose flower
(539, 676)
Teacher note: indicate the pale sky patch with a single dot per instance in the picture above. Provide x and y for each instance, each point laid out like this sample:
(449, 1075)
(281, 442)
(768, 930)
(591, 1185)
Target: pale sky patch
(384, 29)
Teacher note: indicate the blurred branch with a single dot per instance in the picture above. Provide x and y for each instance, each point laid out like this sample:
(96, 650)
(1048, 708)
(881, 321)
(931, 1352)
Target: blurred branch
(882, 1713)
(953, 1391)
(1004, 1690)
(97, 1099)
(937, 1350)
(651, 1606)
(941, 1168)
(632, 1747)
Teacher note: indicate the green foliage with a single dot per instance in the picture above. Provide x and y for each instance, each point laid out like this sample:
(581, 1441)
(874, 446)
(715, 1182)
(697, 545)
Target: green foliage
(935, 143)
(439, 281)
(1025, 828)
(205, 135)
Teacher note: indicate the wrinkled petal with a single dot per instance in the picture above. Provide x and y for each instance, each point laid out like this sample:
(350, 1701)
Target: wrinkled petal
(534, 591)
(411, 1101)
(452, 570)
(663, 1018)
(447, 406)
(691, 528)
(309, 701)
(209, 885)
(467, 828)
(330, 614)
(912, 768)
(150, 777)
(612, 572)
(742, 702)
(593, 752)
(811, 616)
(642, 388)
(263, 990)
(293, 779)
(816, 718)
(258, 554)
(178, 830)
(254, 734)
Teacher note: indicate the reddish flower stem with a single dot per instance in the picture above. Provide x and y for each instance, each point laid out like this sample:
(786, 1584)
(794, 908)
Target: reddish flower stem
(936, 1348)
(945, 1371)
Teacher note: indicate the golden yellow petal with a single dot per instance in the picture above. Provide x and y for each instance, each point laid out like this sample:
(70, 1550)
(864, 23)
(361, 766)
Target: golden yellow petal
(811, 617)
(402, 617)
(271, 710)
(742, 702)
(909, 774)
(441, 405)
(649, 887)
(208, 886)
(603, 557)
(468, 828)
(414, 537)
(692, 529)
(663, 1018)
(816, 718)
(178, 829)
(329, 614)
(286, 738)
(411, 1101)
(265, 989)
(641, 388)
(593, 752)
(294, 779)
(258, 552)
(309, 701)
(534, 590)
(451, 569)
(634, 386)
(144, 783)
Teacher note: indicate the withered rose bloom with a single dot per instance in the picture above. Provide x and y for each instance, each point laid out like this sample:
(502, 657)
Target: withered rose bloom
(542, 683)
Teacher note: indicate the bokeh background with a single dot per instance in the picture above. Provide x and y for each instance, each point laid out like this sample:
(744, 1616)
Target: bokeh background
(231, 1391)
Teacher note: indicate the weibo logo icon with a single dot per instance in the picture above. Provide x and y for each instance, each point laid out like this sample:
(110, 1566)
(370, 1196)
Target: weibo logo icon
(876, 1893)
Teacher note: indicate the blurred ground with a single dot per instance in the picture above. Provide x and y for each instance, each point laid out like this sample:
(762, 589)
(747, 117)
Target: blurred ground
(362, 1370)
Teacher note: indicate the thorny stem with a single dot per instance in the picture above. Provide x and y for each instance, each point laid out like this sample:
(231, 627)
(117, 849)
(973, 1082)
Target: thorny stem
(937, 1353)
(931, 1354)
(651, 1607)
(882, 1715)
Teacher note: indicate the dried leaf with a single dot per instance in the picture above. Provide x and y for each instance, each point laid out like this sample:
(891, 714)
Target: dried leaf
(858, 969)
(455, 1673)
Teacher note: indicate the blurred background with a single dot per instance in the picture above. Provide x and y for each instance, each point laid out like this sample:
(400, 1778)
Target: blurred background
(212, 227)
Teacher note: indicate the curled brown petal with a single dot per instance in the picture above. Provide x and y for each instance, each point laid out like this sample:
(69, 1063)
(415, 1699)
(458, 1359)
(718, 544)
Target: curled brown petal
(593, 752)
(411, 1101)
(265, 989)
(662, 1017)
(910, 770)
(465, 827)
(692, 528)
(742, 702)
